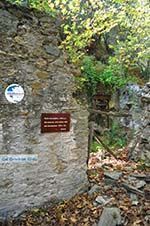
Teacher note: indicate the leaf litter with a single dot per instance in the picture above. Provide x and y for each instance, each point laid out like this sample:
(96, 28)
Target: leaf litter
(83, 209)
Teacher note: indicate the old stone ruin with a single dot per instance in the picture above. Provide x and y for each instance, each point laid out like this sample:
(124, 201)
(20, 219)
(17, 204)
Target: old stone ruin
(44, 136)
(139, 148)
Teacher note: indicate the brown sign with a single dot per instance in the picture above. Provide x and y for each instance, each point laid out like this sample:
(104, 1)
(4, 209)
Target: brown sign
(55, 122)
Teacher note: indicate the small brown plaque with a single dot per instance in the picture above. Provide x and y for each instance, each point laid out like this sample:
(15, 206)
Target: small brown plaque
(55, 122)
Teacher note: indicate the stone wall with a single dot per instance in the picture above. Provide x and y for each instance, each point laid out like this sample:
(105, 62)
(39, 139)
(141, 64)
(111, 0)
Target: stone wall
(139, 148)
(30, 57)
(130, 101)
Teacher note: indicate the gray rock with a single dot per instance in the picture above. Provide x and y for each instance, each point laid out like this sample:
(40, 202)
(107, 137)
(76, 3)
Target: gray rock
(8, 23)
(103, 200)
(140, 184)
(110, 217)
(134, 199)
(100, 200)
(113, 175)
(95, 188)
(52, 50)
(109, 182)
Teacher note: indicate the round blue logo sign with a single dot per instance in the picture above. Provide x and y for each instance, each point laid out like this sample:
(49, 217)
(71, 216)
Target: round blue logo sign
(14, 93)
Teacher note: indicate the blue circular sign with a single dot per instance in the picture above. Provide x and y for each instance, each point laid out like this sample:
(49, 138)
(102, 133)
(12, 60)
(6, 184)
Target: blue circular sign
(14, 93)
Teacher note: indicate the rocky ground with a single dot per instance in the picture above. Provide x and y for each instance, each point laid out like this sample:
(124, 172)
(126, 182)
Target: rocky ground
(119, 195)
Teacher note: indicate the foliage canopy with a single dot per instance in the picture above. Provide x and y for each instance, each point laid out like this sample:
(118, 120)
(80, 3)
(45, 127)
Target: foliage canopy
(85, 21)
